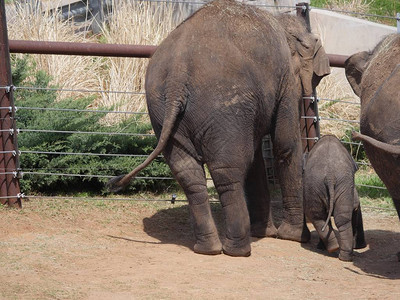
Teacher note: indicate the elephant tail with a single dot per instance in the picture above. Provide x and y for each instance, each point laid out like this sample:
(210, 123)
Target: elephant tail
(391, 149)
(173, 109)
(331, 198)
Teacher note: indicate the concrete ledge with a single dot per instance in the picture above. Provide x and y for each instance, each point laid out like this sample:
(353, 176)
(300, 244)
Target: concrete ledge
(345, 35)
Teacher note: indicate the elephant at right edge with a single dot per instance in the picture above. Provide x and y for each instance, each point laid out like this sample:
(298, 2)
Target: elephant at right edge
(375, 78)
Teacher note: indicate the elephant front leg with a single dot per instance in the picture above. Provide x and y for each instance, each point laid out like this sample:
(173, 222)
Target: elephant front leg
(229, 185)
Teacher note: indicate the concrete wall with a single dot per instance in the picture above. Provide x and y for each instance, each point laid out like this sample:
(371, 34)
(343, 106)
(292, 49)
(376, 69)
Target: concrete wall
(341, 34)
(346, 35)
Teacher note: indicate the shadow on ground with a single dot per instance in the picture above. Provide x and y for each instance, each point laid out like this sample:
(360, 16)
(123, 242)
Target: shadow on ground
(173, 226)
(379, 259)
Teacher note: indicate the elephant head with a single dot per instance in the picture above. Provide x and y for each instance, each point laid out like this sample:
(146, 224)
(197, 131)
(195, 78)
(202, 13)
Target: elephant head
(366, 71)
(310, 61)
(355, 66)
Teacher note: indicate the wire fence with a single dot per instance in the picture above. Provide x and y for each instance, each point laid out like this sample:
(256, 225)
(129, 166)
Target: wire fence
(24, 170)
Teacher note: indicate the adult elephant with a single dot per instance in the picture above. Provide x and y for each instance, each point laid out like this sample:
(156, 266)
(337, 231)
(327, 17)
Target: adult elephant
(375, 78)
(224, 78)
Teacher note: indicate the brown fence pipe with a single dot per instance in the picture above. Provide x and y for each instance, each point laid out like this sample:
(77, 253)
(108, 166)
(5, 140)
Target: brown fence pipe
(84, 49)
(114, 50)
(9, 184)
(336, 60)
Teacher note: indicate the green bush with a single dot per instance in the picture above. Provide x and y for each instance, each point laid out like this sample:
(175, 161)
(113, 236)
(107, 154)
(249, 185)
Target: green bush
(367, 184)
(77, 142)
(355, 150)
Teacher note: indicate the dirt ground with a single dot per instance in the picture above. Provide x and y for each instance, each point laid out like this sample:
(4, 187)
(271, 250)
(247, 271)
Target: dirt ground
(71, 249)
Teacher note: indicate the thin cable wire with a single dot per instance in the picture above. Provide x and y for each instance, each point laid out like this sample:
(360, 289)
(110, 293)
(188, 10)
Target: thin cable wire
(90, 175)
(79, 110)
(83, 132)
(340, 120)
(70, 90)
(372, 186)
(83, 153)
(341, 101)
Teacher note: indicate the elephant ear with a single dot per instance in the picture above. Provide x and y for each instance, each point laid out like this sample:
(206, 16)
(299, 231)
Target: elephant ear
(355, 66)
(314, 61)
(320, 64)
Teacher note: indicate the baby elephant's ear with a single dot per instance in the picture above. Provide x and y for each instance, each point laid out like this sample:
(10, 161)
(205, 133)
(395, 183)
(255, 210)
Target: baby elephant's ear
(355, 66)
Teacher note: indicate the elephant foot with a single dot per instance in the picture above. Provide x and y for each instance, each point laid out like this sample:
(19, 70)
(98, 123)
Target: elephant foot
(345, 255)
(332, 245)
(212, 246)
(260, 230)
(321, 245)
(298, 233)
(360, 244)
(333, 249)
(237, 248)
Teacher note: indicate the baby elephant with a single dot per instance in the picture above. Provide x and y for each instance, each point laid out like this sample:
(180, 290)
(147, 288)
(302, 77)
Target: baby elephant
(329, 189)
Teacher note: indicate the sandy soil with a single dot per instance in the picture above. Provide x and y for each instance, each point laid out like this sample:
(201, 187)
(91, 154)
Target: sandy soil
(59, 249)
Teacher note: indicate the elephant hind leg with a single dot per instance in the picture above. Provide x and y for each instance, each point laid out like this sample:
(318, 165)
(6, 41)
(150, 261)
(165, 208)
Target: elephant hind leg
(327, 236)
(358, 229)
(191, 176)
(258, 199)
(229, 184)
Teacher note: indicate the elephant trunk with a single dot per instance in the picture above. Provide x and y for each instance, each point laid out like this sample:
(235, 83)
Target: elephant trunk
(331, 198)
(116, 184)
(391, 149)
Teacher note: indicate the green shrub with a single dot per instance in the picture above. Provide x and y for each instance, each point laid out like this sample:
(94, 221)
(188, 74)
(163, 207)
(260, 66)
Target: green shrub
(367, 184)
(357, 151)
(77, 142)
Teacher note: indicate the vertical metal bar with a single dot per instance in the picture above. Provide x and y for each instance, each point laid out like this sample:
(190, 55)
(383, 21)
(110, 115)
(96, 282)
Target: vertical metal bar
(9, 184)
(309, 108)
(97, 14)
(398, 22)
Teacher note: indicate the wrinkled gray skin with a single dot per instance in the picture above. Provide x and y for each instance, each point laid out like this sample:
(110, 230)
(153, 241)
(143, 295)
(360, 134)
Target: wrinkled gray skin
(223, 79)
(375, 78)
(329, 190)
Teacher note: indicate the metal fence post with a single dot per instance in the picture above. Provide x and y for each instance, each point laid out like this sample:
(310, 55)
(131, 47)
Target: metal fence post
(309, 122)
(9, 182)
(97, 11)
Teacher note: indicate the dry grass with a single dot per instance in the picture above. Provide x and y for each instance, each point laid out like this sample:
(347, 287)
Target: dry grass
(360, 6)
(135, 23)
(66, 71)
(335, 87)
(138, 23)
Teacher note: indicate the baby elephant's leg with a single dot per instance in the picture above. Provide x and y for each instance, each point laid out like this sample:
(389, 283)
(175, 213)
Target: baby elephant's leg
(327, 236)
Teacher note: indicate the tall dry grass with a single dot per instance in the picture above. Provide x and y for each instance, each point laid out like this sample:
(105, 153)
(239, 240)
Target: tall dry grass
(335, 87)
(29, 23)
(132, 22)
(136, 23)
(360, 6)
